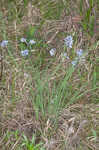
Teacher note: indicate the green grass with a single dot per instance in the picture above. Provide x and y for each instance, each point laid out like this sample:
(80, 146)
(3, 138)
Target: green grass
(36, 89)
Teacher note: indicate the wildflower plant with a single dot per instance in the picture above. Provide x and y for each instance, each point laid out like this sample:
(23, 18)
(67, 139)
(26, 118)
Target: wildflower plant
(68, 41)
(4, 43)
(25, 52)
(80, 57)
(52, 51)
(26, 46)
(75, 62)
(79, 52)
(44, 86)
(23, 40)
(64, 56)
(32, 42)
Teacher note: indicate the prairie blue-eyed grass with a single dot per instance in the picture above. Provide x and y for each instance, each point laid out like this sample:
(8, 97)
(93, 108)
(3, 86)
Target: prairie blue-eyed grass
(75, 61)
(23, 40)
(79, 57)
(25, 52)
(52, 51)
(79, 52)
(4, 43)
(65, 55)
(69, 41)
(32, 42)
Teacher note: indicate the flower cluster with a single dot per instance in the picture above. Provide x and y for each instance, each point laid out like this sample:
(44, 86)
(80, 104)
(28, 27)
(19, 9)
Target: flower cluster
(26, 51)
(68, 41)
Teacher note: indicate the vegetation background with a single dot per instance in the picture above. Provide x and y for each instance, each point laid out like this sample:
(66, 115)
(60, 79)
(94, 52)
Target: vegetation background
(49, 97)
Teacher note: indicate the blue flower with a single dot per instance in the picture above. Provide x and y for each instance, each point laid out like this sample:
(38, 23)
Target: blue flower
(23, 40)
(32, 42)
(74, 62)
(68, 41)
(65, 55)
(52, 51)
(79, 52)
(4, 43)
(25, 52)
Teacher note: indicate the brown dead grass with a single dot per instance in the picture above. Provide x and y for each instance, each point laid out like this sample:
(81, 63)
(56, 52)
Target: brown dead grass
(72, 130)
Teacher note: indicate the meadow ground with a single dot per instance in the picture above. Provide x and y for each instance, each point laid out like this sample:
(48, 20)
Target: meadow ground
(49, 75)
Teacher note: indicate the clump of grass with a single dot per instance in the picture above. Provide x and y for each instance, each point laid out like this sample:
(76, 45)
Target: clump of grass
(88, 15)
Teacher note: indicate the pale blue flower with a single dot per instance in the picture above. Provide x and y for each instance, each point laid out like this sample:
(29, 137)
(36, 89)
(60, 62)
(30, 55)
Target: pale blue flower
(32, 42)
(68, 41)
(79, 52)
(4, 43)
(25, 52)
(65, 55)
(23, 40)
(52, 51)
(74, 62)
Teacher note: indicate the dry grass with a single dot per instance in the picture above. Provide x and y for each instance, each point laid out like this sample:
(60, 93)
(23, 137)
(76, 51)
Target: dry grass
(73, 129)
